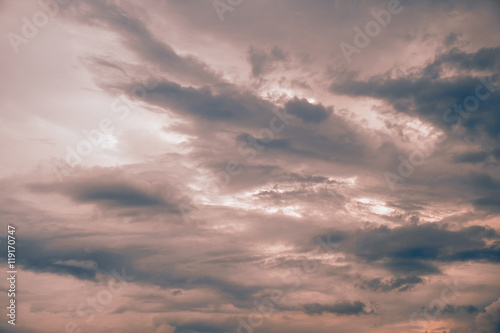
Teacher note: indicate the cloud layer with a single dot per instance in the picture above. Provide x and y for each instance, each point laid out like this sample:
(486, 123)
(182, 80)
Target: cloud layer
(171, 171)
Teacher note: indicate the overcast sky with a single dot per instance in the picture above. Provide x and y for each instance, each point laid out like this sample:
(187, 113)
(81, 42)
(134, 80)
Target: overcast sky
(251, 166)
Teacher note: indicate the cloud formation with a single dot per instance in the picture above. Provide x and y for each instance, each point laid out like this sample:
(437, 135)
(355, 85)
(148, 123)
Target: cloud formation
(241, 181)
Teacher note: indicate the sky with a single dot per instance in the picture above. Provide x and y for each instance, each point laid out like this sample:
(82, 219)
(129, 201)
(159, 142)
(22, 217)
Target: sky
(199, 166)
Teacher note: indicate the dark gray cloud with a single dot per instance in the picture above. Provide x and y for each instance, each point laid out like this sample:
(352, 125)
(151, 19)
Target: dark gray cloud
(201, 327)
(263, 62)
(483, 59)
(419, 249)
(471, 157)
(342, 308)
(115, 194)
(482, 181)
(427, 94)
(456, 309)
(229, 105)
(486, 190)
(496, 153)
(113, 190)
(490, 203)
(38, 256)
(451, 39)
(308, 112)
(72, 260)
(486, 321)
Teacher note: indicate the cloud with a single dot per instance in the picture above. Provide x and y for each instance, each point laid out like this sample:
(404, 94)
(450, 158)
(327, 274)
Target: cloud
(229, 105)
(429, 95)
(482, 181)
(201, 327)
(38, 256)
(215, 87)
(489, 321)
(471, 157)
(342, 308)
(486, 188)
(486, 321)
(496, 153)
(419, 249)
(491, 203)
(113, 190)
(263, 62)
(487, 58)
(400, 283)
(138, 38)
(455, 310)
(308, 112)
